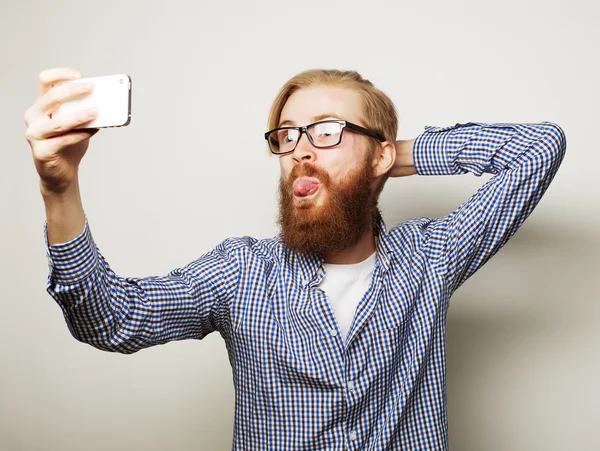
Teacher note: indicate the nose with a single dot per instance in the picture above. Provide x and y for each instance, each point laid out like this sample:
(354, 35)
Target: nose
(304, 151)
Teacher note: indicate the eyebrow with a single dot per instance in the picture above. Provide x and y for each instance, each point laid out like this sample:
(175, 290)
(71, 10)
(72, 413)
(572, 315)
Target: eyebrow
(314, 119)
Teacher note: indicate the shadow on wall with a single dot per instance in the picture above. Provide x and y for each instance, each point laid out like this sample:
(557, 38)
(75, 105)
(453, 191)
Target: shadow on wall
(523, 346)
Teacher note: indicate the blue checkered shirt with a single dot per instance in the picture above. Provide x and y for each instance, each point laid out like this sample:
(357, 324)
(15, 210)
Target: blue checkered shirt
(298, 385)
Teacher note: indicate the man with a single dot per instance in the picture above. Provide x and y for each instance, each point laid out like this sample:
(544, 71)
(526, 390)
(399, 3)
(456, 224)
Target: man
(335, 328)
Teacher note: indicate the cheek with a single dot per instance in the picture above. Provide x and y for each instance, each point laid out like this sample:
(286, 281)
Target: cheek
(341, 161)
(286, 165)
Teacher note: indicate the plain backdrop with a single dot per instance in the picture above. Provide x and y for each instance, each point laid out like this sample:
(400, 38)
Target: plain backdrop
(192, 169)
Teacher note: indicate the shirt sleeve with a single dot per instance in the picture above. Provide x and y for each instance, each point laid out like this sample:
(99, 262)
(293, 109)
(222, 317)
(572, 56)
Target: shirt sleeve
(523, 159)
(124, 315)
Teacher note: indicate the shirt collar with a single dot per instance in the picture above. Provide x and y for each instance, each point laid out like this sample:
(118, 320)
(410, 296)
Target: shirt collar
(309, 267)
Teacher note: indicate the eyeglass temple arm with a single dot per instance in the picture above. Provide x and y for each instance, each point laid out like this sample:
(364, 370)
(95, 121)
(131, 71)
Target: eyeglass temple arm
(366, 131)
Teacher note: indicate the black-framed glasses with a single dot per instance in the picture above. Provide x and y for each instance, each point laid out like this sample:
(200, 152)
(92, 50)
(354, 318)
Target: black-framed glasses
(321, 134)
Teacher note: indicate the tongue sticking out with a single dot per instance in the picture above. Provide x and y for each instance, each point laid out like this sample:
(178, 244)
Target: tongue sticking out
(304, 187)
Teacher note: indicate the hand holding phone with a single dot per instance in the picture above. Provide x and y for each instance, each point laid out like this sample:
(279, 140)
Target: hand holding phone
(110, 97)
(61, 119)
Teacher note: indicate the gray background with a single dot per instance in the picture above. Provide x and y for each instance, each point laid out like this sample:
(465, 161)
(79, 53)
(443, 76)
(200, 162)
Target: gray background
(192, 169)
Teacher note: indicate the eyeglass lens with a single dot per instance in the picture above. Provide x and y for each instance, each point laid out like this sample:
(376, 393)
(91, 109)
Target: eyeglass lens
(323, 134)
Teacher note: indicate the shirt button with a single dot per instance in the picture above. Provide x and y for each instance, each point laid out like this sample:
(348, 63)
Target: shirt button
(352, 435)
(333, 332)
(350, 385)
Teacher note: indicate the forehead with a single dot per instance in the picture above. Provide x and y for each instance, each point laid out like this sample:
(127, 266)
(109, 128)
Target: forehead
(310, 104)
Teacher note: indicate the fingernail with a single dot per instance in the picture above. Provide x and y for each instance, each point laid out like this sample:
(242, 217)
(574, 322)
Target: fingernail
(84, 86)
(91, 112)
(75, 74)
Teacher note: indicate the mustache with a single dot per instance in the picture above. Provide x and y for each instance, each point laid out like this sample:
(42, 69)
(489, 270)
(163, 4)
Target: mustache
(308, 170)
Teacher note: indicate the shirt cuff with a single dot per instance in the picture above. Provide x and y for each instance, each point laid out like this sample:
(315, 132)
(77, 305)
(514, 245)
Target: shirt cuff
(72, 261)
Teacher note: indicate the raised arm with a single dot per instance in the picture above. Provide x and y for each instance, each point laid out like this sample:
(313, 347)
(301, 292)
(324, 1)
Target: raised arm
(124, 315)
(523, 158)
(110, 312)
(57, 150)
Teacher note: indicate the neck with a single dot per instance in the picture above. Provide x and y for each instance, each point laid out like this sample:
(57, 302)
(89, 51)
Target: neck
(355, 254)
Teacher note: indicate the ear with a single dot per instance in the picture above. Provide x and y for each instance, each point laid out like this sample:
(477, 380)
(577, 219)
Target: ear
(384, 158)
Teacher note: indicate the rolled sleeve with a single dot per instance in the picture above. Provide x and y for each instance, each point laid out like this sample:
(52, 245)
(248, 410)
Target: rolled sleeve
(72, 261)
(437, 150)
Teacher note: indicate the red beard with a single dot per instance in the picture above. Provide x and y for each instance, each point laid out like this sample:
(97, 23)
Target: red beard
(348, 212)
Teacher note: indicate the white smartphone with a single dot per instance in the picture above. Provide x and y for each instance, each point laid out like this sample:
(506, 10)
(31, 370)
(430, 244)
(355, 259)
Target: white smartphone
(110, 96)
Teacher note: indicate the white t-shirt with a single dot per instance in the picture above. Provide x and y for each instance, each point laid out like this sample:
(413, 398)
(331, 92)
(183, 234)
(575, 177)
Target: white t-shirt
(345, 285)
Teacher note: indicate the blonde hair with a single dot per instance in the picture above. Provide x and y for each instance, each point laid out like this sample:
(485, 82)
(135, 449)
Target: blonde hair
(379, 113)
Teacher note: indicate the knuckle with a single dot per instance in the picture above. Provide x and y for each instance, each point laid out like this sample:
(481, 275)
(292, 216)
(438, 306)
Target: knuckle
(31, 134)
(58, 127)
(30, 115)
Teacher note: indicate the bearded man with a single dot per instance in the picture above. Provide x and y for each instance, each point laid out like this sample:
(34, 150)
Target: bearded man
(335, 328)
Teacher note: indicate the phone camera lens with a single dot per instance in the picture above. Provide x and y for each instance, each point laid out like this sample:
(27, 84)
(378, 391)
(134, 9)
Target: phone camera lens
(121, 81)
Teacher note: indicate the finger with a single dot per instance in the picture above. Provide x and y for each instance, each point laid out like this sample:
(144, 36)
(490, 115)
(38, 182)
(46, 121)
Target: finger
(49, 77)
(67, 139)
(45, 128)
(76, 137)
(49, 102)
